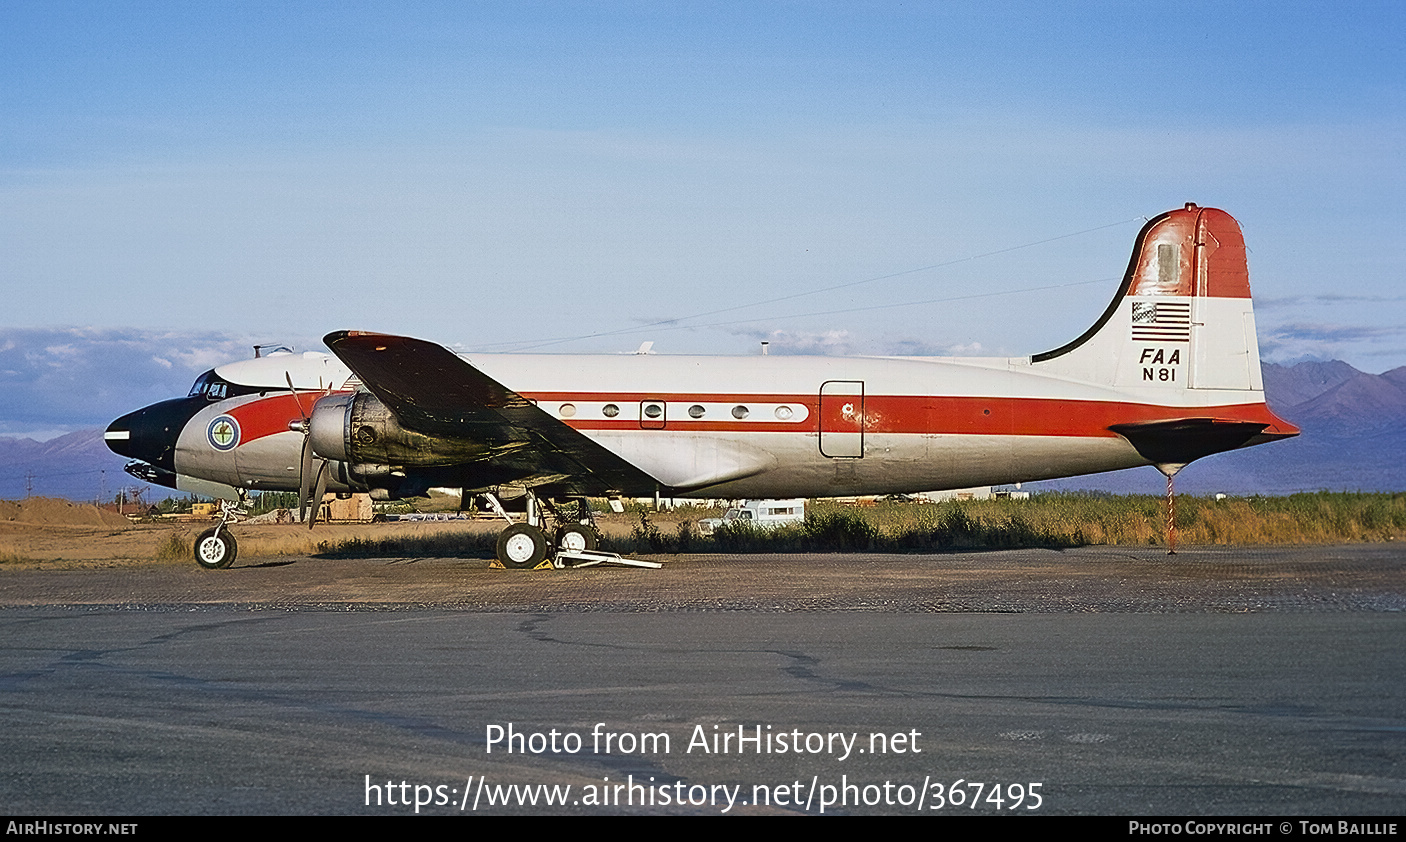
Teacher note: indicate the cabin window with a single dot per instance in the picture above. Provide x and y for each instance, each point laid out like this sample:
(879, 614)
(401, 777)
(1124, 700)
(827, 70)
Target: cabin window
(653, 410)
(739, 412)
(610, 410)
(567, 410)
(696, 411)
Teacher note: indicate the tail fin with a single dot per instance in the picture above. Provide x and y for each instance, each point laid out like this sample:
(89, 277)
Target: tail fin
(1182, 319)
(1180, 333)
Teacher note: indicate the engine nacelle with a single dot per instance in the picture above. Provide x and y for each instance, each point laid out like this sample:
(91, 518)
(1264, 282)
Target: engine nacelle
(358, 429)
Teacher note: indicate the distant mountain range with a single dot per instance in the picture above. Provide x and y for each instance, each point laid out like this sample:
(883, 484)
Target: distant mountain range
(1354, 439)
(77, 466)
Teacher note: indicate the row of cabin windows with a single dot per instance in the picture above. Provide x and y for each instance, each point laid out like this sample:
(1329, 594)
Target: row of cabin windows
(655, 410)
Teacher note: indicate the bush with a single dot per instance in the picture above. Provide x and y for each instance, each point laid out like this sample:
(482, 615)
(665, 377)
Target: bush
(838, 532)
(176, 547)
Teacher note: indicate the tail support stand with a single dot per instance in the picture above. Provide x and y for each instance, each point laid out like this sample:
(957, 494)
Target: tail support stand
(1169, 469)
(1171, 518)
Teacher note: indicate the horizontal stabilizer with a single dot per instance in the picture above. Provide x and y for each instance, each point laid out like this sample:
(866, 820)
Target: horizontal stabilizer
(1186, 440)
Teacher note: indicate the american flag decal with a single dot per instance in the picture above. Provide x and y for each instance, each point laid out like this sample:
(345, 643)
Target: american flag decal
(1162, 321)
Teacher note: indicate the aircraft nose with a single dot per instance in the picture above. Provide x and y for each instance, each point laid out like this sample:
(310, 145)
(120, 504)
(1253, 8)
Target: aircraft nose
(150, 433)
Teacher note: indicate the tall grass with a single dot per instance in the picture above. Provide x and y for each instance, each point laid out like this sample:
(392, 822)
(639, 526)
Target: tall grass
(1048, 520)
(898, 527)
(9, 555)
(1076, 519)
(1070, 520)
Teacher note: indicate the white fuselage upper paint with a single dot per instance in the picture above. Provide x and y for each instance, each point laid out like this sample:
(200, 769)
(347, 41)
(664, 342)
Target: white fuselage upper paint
(776, 449)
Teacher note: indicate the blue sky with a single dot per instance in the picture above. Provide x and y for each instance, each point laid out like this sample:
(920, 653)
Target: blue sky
(181, 180)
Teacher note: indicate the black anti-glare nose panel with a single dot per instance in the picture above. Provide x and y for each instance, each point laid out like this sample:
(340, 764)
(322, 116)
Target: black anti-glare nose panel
(152, 431)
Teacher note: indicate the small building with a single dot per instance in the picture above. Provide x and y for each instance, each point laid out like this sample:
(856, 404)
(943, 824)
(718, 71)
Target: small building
(982, 492)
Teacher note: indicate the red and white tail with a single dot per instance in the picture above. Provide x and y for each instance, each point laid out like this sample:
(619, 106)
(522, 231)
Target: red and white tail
(1180, 334)
(1182, 319)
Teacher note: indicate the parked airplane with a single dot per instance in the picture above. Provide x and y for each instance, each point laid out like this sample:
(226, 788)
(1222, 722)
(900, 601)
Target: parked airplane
(1168, 374)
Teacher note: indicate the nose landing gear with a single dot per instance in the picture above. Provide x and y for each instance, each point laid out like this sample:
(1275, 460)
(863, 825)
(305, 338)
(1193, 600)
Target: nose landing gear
(216, 548)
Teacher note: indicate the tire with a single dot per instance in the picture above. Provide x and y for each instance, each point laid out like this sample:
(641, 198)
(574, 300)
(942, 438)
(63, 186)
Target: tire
(574, 537)
(522, 547)
(215, 549)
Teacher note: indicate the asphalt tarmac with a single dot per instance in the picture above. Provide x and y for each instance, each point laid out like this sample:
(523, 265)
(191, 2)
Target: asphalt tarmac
(1098, 681)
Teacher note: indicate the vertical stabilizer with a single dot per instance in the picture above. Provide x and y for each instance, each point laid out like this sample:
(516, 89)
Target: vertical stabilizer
(1182, 319)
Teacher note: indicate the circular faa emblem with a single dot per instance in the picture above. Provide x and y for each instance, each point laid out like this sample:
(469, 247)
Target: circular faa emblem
(223, 433)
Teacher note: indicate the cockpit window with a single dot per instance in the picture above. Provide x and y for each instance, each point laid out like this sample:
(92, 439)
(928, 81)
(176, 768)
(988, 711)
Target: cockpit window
(212, 387)
(201, 383)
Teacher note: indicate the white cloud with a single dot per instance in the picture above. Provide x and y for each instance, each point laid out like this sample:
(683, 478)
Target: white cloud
(826, 342)
(65, 379)
(1290, 343)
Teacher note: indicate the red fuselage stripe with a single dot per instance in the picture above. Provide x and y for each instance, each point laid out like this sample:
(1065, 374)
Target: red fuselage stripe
(918, 414)
(897, 414)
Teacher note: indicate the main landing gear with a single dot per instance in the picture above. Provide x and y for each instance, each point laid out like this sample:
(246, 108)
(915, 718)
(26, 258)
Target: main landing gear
(216, 548)
(526, 545)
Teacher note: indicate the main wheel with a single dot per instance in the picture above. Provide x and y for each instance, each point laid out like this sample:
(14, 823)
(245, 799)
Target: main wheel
(522, 546)
(215, 549)
(574, 537)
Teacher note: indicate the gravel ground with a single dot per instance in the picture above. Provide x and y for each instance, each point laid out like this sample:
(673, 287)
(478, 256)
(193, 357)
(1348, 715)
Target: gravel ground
(1358, 577)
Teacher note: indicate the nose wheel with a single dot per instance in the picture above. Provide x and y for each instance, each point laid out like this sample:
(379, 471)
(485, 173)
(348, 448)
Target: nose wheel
(215, 549)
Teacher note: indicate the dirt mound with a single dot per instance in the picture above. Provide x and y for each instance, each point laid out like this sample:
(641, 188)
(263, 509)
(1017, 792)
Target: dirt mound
(51, 512)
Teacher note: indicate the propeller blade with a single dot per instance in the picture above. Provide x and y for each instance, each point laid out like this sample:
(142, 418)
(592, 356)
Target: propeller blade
(305, 478)
(318, 492)
(299, 401)
(305, 475)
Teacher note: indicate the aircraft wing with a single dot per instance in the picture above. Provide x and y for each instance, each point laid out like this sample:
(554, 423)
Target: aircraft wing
(433, 391)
